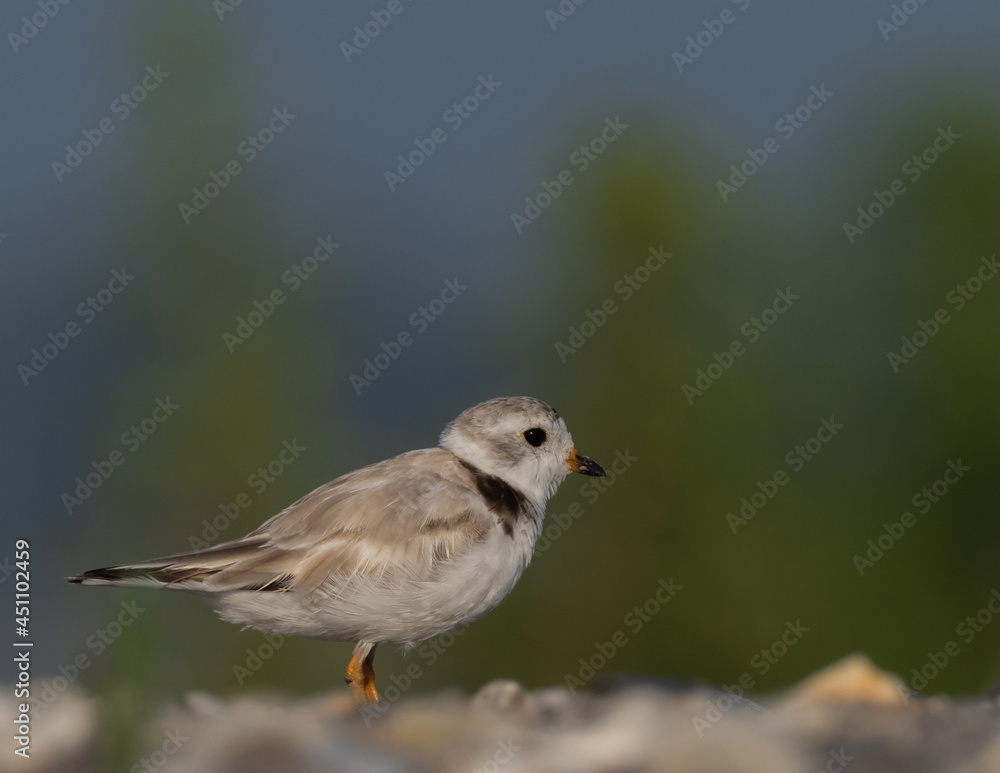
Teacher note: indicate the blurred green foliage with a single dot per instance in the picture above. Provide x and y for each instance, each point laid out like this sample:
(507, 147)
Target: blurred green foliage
(665, 517)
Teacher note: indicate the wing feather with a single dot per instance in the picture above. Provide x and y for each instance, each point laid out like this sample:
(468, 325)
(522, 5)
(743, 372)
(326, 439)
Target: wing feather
(395, 521)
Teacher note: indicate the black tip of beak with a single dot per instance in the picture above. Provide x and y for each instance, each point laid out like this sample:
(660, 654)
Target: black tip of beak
(588, 466)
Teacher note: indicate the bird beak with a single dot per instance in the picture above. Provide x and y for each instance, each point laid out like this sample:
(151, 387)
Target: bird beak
(579, 463)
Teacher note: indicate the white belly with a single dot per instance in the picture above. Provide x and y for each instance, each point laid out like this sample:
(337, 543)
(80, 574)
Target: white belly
(407, 612)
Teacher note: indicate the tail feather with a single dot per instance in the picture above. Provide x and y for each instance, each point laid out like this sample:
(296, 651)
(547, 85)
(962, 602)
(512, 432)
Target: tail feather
(183, 570)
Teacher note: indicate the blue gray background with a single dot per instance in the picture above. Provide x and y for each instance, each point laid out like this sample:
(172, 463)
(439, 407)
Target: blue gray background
(665, 516)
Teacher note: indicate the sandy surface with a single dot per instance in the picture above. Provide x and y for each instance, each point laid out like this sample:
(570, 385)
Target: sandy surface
(849, 717)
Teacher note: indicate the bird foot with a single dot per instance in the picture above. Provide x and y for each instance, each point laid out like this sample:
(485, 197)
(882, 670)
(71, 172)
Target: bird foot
(361, 675)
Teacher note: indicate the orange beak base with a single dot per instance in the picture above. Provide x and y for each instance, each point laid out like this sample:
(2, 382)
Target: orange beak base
(584, 465)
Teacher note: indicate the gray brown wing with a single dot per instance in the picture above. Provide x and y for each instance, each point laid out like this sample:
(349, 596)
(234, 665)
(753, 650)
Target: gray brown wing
(398, 519)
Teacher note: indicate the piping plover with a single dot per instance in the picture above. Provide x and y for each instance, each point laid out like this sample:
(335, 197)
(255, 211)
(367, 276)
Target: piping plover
(400, 551)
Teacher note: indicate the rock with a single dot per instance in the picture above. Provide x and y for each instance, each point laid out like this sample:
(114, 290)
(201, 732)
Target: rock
(63, 736)
(855, 679)
(503, 695)
(849, 717)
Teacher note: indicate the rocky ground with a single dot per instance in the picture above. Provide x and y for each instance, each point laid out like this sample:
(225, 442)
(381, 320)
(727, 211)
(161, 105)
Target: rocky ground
(850, 717)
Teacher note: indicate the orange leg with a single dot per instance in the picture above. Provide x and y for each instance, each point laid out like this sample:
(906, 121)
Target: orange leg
(361, 674)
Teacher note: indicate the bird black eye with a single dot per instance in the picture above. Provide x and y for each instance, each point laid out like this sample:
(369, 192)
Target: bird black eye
(535, 436)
